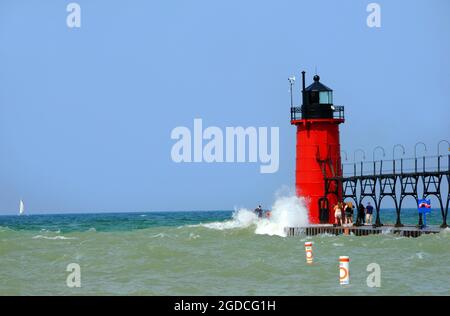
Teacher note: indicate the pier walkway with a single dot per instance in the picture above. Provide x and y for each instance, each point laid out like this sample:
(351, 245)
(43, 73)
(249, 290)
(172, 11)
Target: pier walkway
(406, 231)
(395, 180)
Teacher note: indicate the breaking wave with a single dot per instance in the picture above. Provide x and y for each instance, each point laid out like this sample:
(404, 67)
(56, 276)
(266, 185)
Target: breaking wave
(287, 211)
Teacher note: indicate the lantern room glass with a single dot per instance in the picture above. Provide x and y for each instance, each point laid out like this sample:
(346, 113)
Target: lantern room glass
(326, 97)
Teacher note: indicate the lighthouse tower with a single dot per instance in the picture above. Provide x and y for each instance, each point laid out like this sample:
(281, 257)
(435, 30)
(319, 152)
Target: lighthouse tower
(318, 160)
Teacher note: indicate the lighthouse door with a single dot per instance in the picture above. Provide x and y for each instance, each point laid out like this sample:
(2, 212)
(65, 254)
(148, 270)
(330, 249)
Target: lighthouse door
(324, 212)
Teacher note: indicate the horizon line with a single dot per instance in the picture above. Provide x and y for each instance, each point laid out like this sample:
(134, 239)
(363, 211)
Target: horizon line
(105, 212)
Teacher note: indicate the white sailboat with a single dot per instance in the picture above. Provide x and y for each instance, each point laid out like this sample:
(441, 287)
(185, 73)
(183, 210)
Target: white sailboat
(21, 207)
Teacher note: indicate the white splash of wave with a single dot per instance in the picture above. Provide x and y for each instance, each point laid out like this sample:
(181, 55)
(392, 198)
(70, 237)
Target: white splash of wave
(287, 211)
(241, 218)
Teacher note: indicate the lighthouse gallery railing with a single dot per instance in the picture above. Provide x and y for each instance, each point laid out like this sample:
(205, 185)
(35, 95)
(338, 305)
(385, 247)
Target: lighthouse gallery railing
(338, 112)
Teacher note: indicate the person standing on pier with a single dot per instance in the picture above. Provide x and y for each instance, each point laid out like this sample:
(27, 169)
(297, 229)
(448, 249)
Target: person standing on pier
(369, 212)
(360, 215)
(338, 214)
(259, 211)
(343, 207)
(348, 213)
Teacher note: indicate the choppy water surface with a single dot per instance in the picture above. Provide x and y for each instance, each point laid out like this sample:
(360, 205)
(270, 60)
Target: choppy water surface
(208, 253)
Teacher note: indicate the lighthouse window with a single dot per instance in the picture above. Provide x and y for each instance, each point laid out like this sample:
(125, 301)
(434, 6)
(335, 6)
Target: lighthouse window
(326, 97)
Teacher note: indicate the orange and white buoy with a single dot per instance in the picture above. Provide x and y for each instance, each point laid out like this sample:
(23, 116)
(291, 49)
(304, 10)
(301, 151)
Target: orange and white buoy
(344, 270)
(308, 252)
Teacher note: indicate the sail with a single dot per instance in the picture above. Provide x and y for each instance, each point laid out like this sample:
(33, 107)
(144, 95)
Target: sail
(21, 207)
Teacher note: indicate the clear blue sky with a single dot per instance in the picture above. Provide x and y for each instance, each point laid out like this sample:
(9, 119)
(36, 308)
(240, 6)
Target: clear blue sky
(86, 114)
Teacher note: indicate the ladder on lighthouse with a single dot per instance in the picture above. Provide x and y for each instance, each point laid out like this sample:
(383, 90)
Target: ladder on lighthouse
(331, 183)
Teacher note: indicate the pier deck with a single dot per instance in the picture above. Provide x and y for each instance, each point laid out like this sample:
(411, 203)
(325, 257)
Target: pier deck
(407, 231)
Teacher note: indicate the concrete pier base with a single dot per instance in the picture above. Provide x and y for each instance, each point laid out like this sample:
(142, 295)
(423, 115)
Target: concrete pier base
(407, 231)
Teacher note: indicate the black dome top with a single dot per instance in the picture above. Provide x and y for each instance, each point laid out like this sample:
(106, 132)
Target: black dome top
(317, 86)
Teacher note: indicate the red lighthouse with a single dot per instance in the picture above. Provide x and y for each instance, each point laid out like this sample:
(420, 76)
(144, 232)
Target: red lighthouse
(318, 160)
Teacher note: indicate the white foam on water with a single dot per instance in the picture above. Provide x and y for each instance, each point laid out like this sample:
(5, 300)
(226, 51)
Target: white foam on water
(160, 235)
(445, 231)
(52, 237)
(241, 218)
(193, 236)
(287, 211)
(326, 235)
(49, 231)
(387, 231)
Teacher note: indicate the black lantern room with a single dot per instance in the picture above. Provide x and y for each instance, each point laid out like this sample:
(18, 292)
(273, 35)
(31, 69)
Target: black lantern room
(317, 100)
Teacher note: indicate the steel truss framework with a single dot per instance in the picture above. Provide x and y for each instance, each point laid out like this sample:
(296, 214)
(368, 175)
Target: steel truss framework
(396, 186)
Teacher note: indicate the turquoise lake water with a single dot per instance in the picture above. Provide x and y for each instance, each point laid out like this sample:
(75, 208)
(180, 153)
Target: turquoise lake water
(209, 253)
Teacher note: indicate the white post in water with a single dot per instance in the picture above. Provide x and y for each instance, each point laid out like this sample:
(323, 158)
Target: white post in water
(344, 270)
(308, 251)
